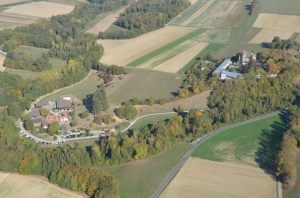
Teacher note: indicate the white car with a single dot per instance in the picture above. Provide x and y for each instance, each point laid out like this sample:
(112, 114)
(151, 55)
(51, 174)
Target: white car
(36, 141)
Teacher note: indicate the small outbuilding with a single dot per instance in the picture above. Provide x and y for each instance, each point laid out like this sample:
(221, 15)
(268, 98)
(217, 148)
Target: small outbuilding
(41, 104)
(35, 114)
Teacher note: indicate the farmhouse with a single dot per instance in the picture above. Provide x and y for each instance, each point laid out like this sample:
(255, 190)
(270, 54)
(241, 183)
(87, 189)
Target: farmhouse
(41, 104)
(61, 118)
(246, 57)
(63, 104)
(222, 67)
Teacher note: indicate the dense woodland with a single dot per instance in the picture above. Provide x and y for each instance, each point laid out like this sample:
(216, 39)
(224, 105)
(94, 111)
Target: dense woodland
(145, 16)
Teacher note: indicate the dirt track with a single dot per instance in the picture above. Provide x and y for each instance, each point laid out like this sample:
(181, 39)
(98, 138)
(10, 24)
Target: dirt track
(40, 9)
(15, 185)
(1, 62)
(203, 178)
(123, 52)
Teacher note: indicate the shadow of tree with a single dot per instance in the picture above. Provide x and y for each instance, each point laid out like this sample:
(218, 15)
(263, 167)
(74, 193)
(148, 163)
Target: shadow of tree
(88, 102)
(269, 146)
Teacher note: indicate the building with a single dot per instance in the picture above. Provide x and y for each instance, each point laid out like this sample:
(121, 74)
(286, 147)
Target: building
(230, 75)
(37, 121)
(41, 104)
(246, 57)
(61, 118)
(222, 67)
(63, 104)
(35, 114)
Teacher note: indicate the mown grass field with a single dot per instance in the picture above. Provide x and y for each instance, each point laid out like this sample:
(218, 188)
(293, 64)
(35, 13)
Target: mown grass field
(115, 28)
(286, 7)
(165, 48)
(141, 178)
(37, 52)
(295, 192)
(6, 26)
(243, 35)
(25, 74)
(88, 86)
(188, 12)
(230, 50)
(213, 47)
(143, 84)
(255, 143)
(214, 36)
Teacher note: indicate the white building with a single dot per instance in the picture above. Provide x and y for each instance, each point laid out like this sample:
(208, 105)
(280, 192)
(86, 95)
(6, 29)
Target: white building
(222, 67)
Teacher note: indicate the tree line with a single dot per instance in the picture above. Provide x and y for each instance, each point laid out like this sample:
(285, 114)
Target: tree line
(145, 16)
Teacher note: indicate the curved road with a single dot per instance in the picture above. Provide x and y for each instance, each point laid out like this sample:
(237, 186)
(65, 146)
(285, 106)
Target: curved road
(197, 143)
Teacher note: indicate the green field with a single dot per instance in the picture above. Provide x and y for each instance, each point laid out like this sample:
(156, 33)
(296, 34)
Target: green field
(6, 26)
(165, 48)
(214, 36)
(25, 74)
(141, 178)
(143, 84)
(66, 2)
(249, 20)
(37, 52)
(295, 192)
(230, 50)
(88, 86)
(212, 47)
(188, 12)
(287, 7)
(243, 35)
(255, 143)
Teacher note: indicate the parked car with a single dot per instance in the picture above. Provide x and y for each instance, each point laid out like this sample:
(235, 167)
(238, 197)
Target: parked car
(36, 141)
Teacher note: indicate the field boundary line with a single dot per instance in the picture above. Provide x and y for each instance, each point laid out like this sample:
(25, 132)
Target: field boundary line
(199, 141)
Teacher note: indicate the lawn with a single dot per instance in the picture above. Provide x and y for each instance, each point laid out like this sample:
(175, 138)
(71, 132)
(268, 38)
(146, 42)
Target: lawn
(286, 7)
(25, 74)
(143, 84)
(243, 35)
(165, 48)
(212, 47)
(295, 192)
(88, 86)
(255, 143)
(141, 178)
(230, 50)
(37, 52)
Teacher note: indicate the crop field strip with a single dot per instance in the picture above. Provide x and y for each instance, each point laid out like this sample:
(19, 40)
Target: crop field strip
(165, 48)
(243, 35)
(213, 15)
(188, 13)
(214, 36)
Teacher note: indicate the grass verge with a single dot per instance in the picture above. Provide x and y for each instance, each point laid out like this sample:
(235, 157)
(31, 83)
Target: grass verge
(141, 178)
(255, 143)
(212, 47)
(165, 48)
(25, 74)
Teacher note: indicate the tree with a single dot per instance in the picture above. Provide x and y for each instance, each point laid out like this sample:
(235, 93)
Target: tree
(53, 128)
(44, 111)
(84, 114)
(29, 124)
(126, 111)
(272, 68)
(151, 101)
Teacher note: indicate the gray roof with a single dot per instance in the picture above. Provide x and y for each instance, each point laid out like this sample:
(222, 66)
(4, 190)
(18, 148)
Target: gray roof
(41, 104)
(37, 120)
(221, 67)
(35, 113)
(60, 103)
(231, 74)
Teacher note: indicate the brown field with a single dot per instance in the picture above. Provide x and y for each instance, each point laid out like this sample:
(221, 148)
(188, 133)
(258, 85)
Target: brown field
(123, 52)
(236, 16)
(278, 22)
(204, 178)
(198, 102)
(174, 64)
(3, 2)
(193, 2)
(297, 39)
(15, 185)
(104, 24)
(40, 9)
(196, 14)
(1, 62)
(267, 35)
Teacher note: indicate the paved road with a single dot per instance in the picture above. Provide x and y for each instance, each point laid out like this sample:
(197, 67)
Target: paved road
(29, 135)
(196, 144)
